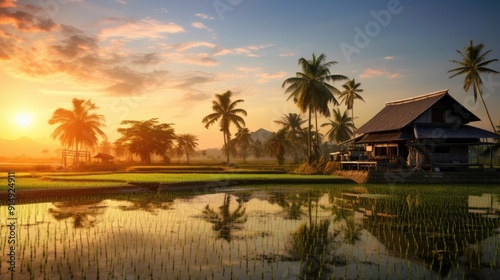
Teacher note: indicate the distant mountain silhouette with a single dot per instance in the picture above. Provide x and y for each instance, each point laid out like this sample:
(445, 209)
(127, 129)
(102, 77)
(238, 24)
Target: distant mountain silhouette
(25, 147)
(261, 134)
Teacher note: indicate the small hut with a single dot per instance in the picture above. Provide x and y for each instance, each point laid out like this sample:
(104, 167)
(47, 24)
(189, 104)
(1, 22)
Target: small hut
(104, 158)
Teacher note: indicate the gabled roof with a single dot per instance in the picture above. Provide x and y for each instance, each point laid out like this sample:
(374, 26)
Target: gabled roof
(104, 156)
(398, 114)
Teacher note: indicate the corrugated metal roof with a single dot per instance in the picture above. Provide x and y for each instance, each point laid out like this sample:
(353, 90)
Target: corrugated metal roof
(450, 132)
(398, 114)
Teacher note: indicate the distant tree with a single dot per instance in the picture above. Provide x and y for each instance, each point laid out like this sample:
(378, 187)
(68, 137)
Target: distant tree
(45, 152)
(473, 64)
(243, 141)
(79, 127)
(147, 137)
(292, 123)
(226, 113)
(498, 128)
(311, 90)
(349, 94)
(186, 145)
(341, 127)
(277, 144)
(257, 149)
(119, 149)
(105, 146)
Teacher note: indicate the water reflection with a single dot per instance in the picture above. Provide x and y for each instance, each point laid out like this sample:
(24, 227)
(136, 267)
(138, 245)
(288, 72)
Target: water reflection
(224, 220)
(283, 233)
(84, 214)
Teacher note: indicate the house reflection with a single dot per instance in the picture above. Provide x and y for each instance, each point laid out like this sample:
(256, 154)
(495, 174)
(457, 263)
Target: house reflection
(427, 231)
(85, 214)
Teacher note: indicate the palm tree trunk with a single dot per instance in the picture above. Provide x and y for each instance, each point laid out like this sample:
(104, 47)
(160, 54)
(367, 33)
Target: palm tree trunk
(484, 104)
(309, 136)
(316, 148)
(352, 115)
(226, 146)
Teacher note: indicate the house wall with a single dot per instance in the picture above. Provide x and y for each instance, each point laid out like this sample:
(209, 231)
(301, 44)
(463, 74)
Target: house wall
(449, 154)
(426, 117)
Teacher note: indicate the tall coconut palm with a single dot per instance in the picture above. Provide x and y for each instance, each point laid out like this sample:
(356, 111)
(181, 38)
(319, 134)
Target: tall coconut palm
(79, 127)
(311, 89)
(186, 145)
(226, 113)
(473, 64)
(349, 94)
(341, 127)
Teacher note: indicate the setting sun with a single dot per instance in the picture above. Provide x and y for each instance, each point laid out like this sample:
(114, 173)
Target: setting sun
(23, 119)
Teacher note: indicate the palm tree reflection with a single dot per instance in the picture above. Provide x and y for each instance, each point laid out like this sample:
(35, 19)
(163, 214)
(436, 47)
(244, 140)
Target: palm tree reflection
(225, 220)
(84, 213)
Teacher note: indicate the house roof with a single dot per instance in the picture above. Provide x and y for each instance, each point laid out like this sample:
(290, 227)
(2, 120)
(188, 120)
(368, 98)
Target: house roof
(386, 137)
(398, 114)
(104, 156)
(461, 132)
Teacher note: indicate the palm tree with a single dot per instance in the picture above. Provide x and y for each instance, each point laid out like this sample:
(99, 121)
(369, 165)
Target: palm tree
(311, 91)
(341, 127)
(473, 64)
(243, 140)
(257, 149)
(349, 94)
(186, 145)
(276, 145)
(226, 113)
(292, 124)
(78, 127)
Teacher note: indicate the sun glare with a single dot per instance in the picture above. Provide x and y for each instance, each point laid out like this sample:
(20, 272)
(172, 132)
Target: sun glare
(23, 119)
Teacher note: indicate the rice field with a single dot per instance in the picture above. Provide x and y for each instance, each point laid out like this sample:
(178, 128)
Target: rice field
(263, 232)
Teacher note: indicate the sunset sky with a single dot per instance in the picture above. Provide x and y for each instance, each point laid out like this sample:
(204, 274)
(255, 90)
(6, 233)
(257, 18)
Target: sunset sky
(144, 59)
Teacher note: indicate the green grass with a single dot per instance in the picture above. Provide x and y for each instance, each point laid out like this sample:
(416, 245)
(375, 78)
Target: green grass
(25, 183)
(185, 177)
(93, 180)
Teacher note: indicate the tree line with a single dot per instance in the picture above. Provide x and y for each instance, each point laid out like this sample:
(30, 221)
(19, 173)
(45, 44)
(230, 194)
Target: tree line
(311, 90)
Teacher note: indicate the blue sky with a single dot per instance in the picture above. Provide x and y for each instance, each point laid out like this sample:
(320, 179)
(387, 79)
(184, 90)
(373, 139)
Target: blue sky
(166, 59)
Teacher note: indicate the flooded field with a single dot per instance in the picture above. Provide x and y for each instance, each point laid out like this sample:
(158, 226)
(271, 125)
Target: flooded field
(270, 232)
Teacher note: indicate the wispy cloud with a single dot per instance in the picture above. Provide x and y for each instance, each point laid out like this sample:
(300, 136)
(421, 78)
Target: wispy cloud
(138, 29)
(199, 25)
(378, 72)
(389, 57)
(266, 77)
(25, 18)
(204, 16)
(286, 54)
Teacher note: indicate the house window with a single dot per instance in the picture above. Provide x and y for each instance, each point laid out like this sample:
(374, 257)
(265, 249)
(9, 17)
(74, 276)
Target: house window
(386, 149)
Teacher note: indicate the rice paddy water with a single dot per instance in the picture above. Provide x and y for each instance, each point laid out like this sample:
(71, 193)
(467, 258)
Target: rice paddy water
(263, 232)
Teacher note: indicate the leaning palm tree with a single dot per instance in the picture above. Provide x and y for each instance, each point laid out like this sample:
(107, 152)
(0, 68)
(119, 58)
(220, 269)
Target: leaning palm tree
(473, 64)
(349, 94)
(341, 127)
(78, 127)
(311, 89)
(186, 145)
(226, 113)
